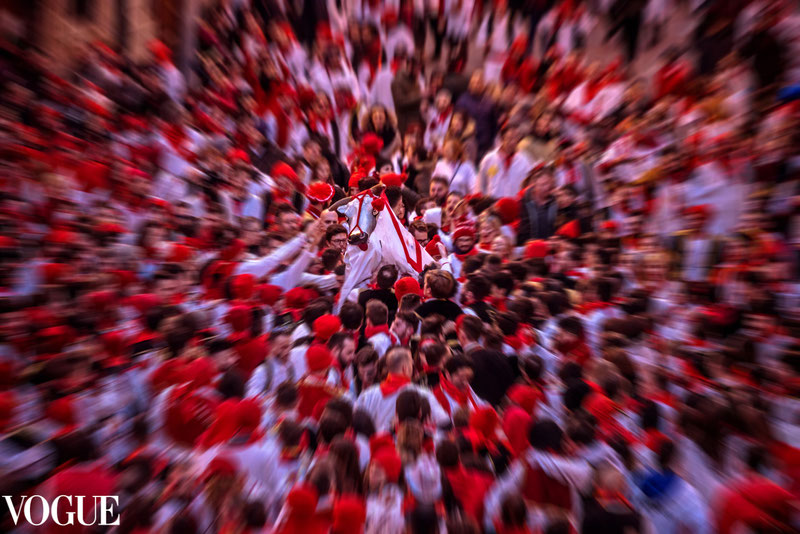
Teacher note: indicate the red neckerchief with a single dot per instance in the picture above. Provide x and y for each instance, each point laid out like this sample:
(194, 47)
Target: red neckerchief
(342, 379)
(459, 396)
(513, 341)
(380, 329)
(461, 257)
(593, 87)
(176, 136)
(442, 116)
(498, 303)
(508, 160)
(393, 383)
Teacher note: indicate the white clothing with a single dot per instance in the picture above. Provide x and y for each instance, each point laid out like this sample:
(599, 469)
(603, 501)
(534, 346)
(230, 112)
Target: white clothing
(497, 180)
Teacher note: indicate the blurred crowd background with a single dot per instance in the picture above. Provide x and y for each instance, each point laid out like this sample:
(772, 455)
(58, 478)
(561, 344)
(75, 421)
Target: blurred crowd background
(607, 341)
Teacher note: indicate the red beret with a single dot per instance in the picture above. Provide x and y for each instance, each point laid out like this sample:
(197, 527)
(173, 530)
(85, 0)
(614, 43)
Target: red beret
(319, 192)
(432, 248)
(179, 253)
(239, 318)
(160, 51)
(144, 301)
(406, 285)
(349, 515)
(61, 411)
(302, 500)
(535, 249)
(269, 294)
(109, 228)
(371, 143)
(325, 326)
(297, 298)
(507, 209)
(609, 225)
(570, 230)
(355, 177)
(200, 372)
(464, 230)
(318, 358)
(393, 179)
(282, 169)
(388, 459)
(52, 273)
(379, 441)
(248, 414)
(237, 155)
(243, 286)
(60, 237)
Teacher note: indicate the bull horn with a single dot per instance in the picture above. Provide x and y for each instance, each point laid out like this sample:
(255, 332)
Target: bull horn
(339, 203)
(377, 190)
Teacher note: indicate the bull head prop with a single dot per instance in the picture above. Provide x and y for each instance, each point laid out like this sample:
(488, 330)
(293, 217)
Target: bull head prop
(362, 212)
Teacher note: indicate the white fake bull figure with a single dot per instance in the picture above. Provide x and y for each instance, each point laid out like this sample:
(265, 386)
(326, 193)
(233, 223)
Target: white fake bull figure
(376, 238)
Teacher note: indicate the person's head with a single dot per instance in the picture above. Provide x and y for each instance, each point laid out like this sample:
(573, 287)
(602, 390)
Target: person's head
(352, 316)
(443, 99)
(509, 139)
(463, 239)
(452, 149)
(336, 237)
(280, 344)
(438, 189)
(408, 406)
(545, 435)
(377, 313)
(343, 348)
(405, 324)
(328, 219)
(469, 330)
(476, 83)
(459, 371)
(454, 198)
(439, 284)
(394, 195)
(367, 365)
(419, 229)
(378, 117)
(543, 184)
(287, 221)
(399, 361)
(489, 226)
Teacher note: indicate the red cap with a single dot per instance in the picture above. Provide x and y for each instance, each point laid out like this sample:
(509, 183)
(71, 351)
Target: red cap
(701, 210)
(464, 230)
(60, 237)
(406, 285)
(609, 225)
(243, 286)
(379, 441)
(318, 358)
(355, 177)
(240, 318)
(388, 459)
(61, 411)
(371, 143)
(507, 209)
(432, 247)
(570, 230)
(325, 326)
(484, 420)
(237, 155)
(536, 249)
(248, 414)
(282, 169)
(52, 273)
(179, 253)
(297, 298)
(393, 179)
(319, 192)
(269, 294)
(302, 500)
(200, 372)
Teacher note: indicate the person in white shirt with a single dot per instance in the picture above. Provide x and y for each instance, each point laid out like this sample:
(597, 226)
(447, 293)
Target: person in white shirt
(379, 400)
(504, 169)
(453, 166)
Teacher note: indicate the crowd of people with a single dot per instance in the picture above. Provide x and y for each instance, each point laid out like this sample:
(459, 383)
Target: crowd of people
(605, 342)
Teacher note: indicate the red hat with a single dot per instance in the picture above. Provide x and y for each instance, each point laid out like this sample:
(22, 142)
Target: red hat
(301, 517)
(600, 406)
(52, 273)
(349, 515)
(355, 177)
(570, 230)
(388, 459)
(297, 298)
(393, 179)
(160, 51)
(319, 192)
(199, 372)
(464, 230)
(220, 466)
(379, 441)
(248, 414)
(318, 358)
(143, 301)
(237, 155)
(507, 209)
(325, 326)
(109, 228)
(406, 285)
(484, 420)
(282, 169)
(609, 225)
(243, 286)
(371, 143)
(432, 247)
(240, 318)
(269, 294)
(535, 249)
(179, 253)
(60, 237)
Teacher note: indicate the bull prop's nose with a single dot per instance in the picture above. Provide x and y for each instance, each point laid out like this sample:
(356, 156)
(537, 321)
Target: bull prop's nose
(357, 237)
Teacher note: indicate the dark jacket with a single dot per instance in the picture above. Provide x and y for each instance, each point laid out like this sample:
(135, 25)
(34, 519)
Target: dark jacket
(481, 110)
(384, 295)
(536, 221)
(446, 308)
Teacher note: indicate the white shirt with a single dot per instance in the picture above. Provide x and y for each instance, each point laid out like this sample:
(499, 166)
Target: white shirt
(460, 175)
(498, 180)
(382, 409)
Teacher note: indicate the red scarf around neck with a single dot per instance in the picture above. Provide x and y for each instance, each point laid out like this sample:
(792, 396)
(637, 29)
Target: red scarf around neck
(393, 383)
(461, 257)
(460, 396)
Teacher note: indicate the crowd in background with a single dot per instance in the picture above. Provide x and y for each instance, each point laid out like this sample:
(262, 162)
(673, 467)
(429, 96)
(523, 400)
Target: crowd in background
(607, 341)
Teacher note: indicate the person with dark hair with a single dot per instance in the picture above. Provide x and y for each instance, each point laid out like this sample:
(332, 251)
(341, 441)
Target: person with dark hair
(384, 282)
(475, 295)
(454, 391)
(440, 288)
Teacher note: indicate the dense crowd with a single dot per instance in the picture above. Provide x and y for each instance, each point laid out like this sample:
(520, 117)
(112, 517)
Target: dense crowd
(604, 341)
